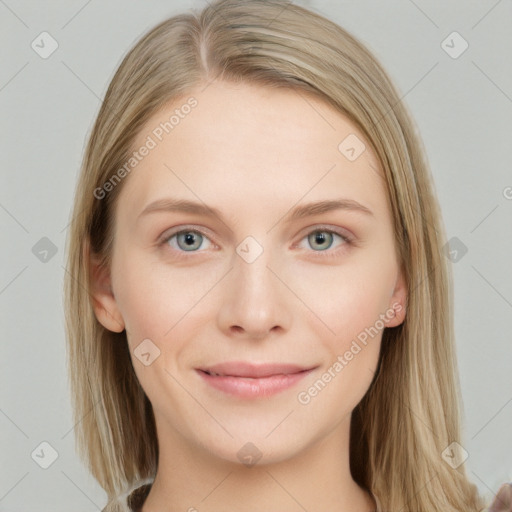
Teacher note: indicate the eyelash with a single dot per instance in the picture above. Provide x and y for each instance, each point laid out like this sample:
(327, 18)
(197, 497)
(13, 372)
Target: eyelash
(327, 253)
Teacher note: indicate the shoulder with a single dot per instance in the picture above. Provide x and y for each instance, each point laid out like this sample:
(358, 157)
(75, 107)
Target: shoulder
(503, 500)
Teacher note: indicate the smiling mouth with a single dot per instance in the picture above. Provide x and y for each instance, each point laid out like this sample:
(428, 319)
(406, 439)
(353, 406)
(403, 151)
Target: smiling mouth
(246, 380)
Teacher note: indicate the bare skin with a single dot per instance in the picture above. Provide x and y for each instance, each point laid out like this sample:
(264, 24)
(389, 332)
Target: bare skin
(255, 154)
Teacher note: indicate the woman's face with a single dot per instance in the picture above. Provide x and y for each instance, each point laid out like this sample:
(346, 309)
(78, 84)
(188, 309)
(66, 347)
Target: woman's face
(286, 303)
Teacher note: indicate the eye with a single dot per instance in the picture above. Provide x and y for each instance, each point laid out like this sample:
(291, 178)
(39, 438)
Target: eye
(187, 240)
(321, 239)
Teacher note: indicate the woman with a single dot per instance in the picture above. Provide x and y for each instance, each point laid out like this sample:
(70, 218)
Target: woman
(259, 312)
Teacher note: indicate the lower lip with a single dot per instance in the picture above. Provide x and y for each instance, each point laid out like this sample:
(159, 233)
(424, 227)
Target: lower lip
(244, 387)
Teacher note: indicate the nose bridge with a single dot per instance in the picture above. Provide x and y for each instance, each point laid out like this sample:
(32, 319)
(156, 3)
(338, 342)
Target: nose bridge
(251, 262)
(254, 302)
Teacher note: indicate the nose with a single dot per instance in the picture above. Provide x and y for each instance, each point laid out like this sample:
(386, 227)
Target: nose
(255, 301)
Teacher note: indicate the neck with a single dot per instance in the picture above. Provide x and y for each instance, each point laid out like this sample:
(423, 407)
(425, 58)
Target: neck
(316, 479)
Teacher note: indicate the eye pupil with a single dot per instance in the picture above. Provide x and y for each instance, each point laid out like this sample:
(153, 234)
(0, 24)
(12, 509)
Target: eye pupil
(320, 237)
(190, 239)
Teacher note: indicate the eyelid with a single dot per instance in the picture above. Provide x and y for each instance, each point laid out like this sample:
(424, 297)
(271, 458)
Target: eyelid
(168, 234)
(344, 233)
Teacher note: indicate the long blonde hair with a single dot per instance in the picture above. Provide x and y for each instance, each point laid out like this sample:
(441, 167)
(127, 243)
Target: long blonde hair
(411, 412)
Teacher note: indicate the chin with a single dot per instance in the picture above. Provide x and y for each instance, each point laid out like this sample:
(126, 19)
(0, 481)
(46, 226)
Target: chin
(249, 447)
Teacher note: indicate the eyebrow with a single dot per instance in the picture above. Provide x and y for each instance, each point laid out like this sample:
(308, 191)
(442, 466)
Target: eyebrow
(299, 212)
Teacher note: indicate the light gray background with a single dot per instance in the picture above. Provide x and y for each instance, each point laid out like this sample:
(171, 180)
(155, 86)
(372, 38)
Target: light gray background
(463, 110)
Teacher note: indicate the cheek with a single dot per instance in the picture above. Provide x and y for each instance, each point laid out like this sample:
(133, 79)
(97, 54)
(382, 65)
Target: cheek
(346, 300)
(340, 301)
(348, 322)
(154, 297)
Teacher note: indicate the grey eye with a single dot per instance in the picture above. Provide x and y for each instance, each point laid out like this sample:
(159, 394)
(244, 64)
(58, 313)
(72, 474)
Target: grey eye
(323, 238)
(189, 240)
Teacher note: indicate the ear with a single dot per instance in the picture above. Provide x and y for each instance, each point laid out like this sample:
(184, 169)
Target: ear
(103, 301)
(398, 301)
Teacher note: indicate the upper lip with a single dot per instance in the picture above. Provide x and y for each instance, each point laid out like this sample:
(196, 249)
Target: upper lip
(244, 369)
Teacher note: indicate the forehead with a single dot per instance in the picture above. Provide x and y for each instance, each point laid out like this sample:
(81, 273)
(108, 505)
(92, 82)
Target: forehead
(246, 146)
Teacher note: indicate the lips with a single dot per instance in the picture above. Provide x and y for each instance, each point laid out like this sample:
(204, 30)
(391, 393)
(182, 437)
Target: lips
(247, 380)
(252, 371)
